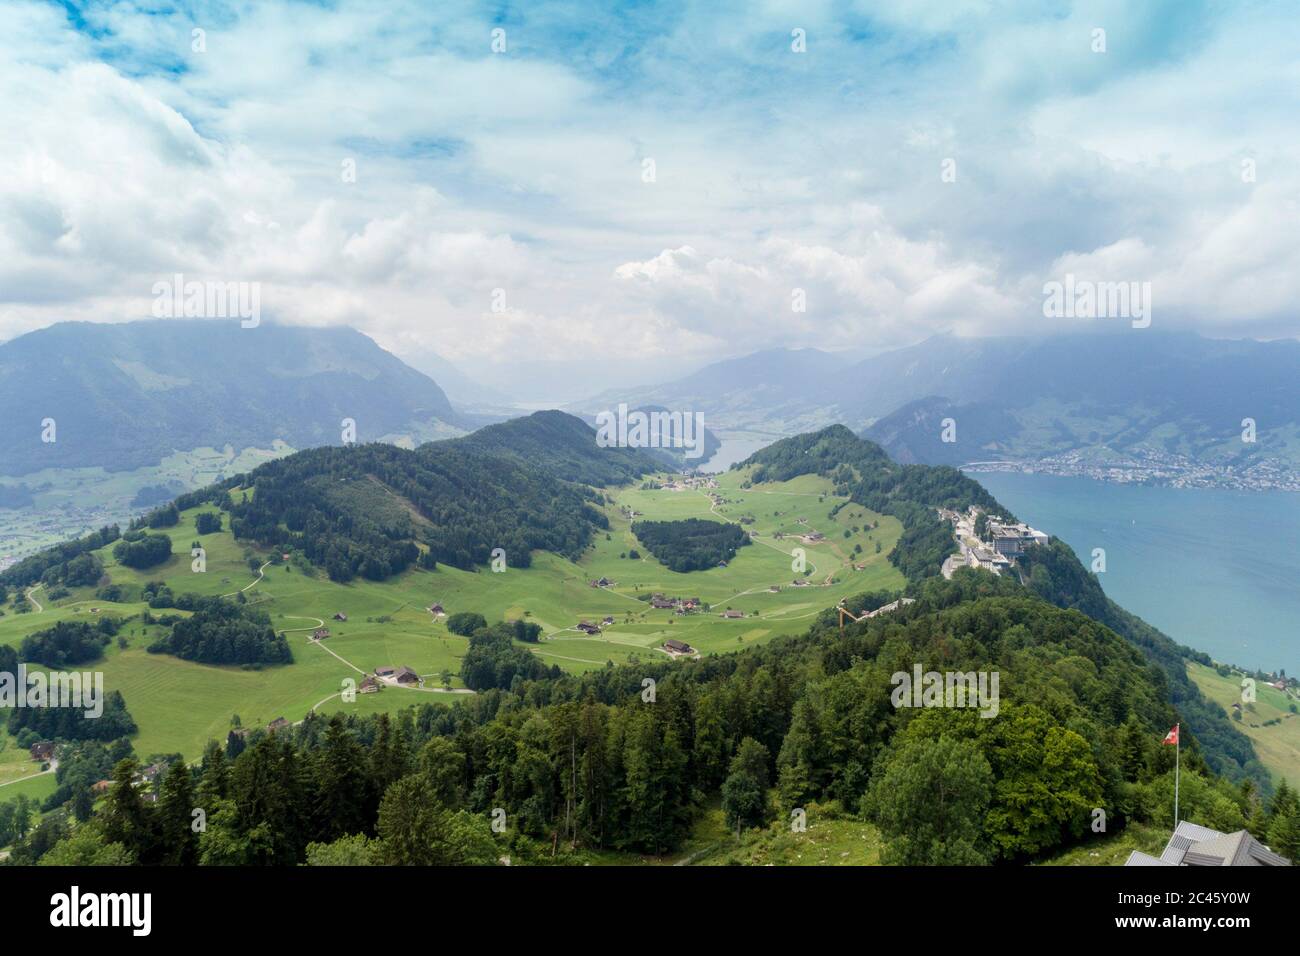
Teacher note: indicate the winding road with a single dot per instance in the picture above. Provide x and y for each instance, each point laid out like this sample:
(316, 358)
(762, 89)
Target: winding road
(31, 598)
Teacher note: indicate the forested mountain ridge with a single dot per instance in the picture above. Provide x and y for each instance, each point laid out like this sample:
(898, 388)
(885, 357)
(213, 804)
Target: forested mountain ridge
(558, 444)
(375, 510)
(865, 473)
(126, 395)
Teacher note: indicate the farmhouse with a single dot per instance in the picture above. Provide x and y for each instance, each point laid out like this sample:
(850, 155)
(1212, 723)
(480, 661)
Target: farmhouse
(814, 536)
(42, 750)
(673, 646)
(608, 620)
(602, 583)
(320, 633)
(436, 609)
(340, 616)
(659, 601)
(385, 671)
(733, 614)
(588, 628)
(408, 677)
(101, 786)
(1194, 845)
(278, 724)
(368, 685)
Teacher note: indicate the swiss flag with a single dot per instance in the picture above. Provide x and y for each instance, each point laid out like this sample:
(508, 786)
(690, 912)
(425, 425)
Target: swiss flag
(1171, 738)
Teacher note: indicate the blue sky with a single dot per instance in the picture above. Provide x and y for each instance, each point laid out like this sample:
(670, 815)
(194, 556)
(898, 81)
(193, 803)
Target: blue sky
(1167, 157)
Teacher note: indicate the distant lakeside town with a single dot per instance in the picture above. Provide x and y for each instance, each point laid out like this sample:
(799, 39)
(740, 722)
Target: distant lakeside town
(1153, 468)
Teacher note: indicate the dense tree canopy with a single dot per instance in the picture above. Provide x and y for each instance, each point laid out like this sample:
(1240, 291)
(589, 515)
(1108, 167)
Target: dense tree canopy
(68, 643)
(693, 544)
(225, 632)
(143, 550)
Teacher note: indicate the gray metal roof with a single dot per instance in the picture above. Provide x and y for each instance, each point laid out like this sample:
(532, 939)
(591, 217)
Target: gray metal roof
(1138, 858)
(1195, 845)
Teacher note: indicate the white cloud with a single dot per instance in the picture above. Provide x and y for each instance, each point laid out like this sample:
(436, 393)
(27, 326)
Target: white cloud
(135, 158)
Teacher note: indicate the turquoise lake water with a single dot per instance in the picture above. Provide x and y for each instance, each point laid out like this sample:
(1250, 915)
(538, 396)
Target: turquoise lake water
(1215, 570)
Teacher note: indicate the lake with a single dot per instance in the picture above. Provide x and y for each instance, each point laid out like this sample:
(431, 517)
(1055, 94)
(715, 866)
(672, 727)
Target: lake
(1216, 570)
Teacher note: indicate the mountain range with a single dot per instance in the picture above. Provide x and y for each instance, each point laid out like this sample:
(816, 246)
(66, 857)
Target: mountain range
(1159, 399)
(124, 396)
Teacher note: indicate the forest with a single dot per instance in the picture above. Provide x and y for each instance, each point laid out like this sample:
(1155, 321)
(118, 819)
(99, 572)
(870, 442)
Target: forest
(692, 544)
(30, 724)
(372, 510)
(50, 566)
(224, 632)
(493, 659)
(139, 549)
(68, 643)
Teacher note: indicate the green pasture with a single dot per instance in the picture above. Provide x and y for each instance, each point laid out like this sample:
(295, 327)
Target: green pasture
(179, 705)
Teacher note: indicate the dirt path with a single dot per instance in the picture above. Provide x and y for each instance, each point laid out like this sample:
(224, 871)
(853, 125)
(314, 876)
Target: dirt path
(320, 644)
(31, 598)
(261, 573)
(54, 765)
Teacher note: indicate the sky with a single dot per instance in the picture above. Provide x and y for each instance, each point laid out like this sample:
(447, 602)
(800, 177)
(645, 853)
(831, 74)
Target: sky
(559, 199)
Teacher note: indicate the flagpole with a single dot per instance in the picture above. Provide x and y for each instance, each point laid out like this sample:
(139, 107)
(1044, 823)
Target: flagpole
(1178, 749)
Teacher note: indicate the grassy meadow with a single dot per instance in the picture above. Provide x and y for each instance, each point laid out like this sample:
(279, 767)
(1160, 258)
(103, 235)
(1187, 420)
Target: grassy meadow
(1270, 723)
(179, 705)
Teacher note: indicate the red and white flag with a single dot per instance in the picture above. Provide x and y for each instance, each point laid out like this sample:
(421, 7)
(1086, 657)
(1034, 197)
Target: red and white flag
(1171, 738)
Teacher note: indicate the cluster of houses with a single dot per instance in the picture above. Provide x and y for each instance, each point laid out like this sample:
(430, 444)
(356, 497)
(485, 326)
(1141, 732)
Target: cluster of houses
(680, 606)
(687, 482)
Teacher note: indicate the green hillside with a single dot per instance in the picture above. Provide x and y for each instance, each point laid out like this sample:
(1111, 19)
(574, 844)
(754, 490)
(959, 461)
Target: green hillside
(179, 705)
(1270, 721)
(777, 705)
